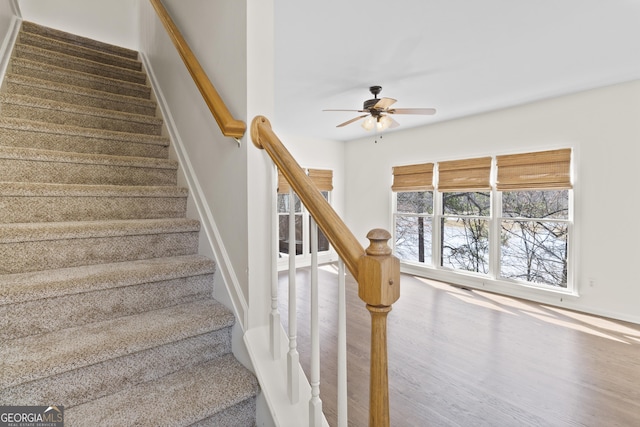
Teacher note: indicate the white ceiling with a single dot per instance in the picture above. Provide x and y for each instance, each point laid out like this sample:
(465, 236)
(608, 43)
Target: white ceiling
(461, 57)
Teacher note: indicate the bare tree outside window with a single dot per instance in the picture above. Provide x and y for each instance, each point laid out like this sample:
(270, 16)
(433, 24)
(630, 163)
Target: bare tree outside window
(465, 231)
(414, 217)
(534, 231)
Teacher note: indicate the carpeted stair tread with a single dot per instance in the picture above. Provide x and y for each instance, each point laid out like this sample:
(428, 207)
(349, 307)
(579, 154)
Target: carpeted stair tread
(78, 51)
(31, 27)
(75, 63)
(219, 384)
(27, 359)
(45, 110)
(26, 247)
(35, 165)
(52, 73)
(87, 158)
(99, 296)
(71, 94)
(44, 202)
(35, 232)
(22, 133)
(37, 285)
(87, 383)
(27, 189)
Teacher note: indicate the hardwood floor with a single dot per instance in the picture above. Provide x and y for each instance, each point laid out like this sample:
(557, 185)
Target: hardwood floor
(471, 358)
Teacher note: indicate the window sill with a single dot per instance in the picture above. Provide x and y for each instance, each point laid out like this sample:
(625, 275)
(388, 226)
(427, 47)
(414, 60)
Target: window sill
(548, 295)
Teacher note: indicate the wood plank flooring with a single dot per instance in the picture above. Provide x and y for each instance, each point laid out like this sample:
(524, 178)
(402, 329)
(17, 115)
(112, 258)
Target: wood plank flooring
(471, 358)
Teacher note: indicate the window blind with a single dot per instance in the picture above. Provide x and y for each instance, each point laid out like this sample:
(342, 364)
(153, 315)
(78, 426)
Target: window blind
(413, 177)
(535, 171)
(465, 175)
(283, 184)
(322, 178)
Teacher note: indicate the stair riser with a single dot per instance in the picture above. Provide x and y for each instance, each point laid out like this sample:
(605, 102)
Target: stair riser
(17, 320)
(79, 51)
(12, 137)
(240, 415)
(31, 28)
(14, 170)
(65, 95)
(16, 209)
(77, 64)
(231, 385)
(27, 256)
(82, 80)
(85, 384)
(74, 118)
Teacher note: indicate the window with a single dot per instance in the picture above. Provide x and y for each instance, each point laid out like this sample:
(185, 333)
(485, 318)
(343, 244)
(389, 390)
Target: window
(302, 220)
(535, 216)
(465, 223)
(414, 222)
(533, 241)
(413, 212)
(465, 214)
(518, 230)
(283, 222)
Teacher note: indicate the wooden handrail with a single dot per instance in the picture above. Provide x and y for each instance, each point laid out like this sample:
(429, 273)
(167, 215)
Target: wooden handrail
(228, 125)
(376, 270)
(338, 234)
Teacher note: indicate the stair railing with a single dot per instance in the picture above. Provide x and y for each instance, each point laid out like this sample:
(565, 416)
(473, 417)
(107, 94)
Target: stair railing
(228, 124)
(375, 269)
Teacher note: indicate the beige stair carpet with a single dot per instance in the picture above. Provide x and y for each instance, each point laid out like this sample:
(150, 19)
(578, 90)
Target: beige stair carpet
(106, 306)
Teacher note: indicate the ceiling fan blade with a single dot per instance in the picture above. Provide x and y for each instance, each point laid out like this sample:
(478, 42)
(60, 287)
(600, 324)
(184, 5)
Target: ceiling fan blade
(356, 111)
(352, 120)
(424, 111)
(384, 103)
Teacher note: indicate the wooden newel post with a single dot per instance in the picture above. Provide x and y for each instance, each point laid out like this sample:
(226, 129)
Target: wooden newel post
(379, 288)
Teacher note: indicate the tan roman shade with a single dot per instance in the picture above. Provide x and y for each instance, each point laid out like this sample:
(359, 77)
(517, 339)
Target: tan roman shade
(535, 171)
(283, 184)
(413, 177)
(465, 175)
(323, 179)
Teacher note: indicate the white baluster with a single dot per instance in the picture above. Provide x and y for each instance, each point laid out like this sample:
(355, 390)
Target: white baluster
(315, 404)
(293, 358)
(274, 317)
(342, 348)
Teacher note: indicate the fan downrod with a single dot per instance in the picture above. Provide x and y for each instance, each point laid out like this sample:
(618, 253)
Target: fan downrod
(375, 90)
(370, 103)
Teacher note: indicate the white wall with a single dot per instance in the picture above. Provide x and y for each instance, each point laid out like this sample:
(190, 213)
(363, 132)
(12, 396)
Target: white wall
(603, 128)
(217, 161)
(233, 178)
(112, 21)
(6, 14)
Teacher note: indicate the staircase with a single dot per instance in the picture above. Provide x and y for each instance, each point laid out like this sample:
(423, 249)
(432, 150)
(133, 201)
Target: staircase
(105, 306)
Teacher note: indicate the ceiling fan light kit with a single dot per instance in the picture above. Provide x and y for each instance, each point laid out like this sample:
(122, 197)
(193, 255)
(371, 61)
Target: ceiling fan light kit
(381, 122)
(378, 112)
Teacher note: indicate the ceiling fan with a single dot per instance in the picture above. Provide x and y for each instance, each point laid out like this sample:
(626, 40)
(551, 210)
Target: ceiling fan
(378, 112)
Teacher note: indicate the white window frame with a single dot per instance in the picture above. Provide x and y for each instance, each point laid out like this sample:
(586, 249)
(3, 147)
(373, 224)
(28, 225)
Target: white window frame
(395, 214)
(304, 259)
(491, 280)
